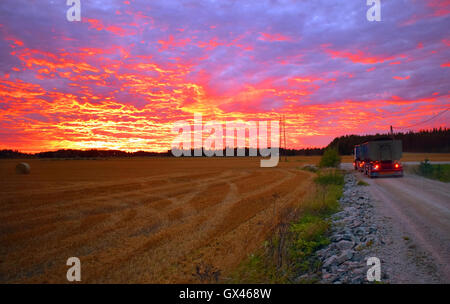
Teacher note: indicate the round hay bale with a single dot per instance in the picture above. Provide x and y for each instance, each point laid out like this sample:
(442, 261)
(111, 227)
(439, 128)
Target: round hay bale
(23, 168)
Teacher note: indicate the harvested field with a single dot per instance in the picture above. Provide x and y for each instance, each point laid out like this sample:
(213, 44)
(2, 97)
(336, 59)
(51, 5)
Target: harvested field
(149, 220)
(139, 220)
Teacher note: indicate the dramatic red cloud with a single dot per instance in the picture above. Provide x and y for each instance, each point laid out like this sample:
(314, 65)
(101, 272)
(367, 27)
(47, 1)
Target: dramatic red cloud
(440, 7)
(359, 56)
(433, 8)
(122, 77)
(273, 37)
(401, 78)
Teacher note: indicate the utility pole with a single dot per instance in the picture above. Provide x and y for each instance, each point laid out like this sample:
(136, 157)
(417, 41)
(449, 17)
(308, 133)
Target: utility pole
(284, 136)
(392, 133)
(281, 133)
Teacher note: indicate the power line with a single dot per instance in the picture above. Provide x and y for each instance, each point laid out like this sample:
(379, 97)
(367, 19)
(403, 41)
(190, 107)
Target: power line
(427, 120)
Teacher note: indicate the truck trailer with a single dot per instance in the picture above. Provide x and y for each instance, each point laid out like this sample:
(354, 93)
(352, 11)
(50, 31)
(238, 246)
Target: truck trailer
(379, 158)
(358, 163)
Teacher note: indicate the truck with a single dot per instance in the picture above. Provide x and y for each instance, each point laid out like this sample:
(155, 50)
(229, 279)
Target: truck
(379, 158)
(358, 162)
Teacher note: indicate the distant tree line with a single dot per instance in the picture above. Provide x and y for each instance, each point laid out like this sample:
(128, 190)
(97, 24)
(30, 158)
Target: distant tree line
(251, 152)
(434, 140)
(14, 154)
(304, 152)
(423, 141)
(72, 153)
(94, 153)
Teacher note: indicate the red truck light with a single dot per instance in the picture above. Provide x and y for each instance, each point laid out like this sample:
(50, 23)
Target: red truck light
(397, 166)
(376, 167)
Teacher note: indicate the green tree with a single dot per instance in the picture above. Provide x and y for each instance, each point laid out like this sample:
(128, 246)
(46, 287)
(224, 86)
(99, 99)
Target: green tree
(425, 168)
(330, 158)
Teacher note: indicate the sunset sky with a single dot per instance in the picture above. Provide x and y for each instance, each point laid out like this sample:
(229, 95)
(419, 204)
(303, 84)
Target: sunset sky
(122, 76)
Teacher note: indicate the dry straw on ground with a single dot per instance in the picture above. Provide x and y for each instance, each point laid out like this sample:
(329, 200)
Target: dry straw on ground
(149, 220)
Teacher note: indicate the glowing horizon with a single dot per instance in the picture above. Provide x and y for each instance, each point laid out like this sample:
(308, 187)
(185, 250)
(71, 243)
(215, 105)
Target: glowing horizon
(120, 78)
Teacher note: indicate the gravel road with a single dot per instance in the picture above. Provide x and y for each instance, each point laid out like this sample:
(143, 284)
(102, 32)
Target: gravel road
(415, 215)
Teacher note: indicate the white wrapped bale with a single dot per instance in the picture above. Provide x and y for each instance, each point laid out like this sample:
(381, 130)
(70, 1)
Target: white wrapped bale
(23, 168)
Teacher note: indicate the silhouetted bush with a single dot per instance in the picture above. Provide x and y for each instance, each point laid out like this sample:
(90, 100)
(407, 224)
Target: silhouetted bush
(330, 158)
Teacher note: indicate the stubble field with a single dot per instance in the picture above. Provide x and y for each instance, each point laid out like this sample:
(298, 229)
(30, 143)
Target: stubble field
(138, 220)
(149, 220)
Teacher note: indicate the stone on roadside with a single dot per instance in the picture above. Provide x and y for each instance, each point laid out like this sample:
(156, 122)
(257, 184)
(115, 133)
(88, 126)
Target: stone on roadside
(344, 245)
(329, 262)
(345, 256)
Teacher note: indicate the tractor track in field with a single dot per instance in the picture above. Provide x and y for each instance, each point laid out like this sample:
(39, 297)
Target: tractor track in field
(149, 229)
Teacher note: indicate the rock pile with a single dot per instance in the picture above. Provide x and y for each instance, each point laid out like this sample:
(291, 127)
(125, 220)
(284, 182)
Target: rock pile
(354, 236)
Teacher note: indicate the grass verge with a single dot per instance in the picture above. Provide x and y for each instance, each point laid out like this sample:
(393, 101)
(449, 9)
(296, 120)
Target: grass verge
(302, 230)
(439, 172)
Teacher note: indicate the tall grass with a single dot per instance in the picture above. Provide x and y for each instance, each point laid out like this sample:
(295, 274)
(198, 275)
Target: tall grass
(290, 250)
(331, 177)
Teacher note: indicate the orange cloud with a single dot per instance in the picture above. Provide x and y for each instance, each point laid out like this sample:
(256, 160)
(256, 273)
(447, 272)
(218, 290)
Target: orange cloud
(171, 43)
(401, 78)
(126, 95)
(359, 56)
(440, 7)
(114, 29)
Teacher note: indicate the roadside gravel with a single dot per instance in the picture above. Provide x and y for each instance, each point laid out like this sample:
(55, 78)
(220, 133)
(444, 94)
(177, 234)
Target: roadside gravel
(364, 229)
